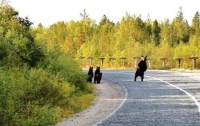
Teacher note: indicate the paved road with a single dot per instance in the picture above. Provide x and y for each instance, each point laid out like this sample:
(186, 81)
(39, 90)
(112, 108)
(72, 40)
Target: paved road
(164, 98)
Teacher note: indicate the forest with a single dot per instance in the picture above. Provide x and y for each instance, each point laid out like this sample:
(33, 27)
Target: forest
(127, 39)
(41, 72)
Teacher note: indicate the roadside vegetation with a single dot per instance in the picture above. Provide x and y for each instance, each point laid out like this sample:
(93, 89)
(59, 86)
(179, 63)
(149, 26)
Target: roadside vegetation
(41, 77)
(39, 86)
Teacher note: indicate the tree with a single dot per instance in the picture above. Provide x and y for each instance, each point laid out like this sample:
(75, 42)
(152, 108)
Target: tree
(156, 33)
(17, 41)
(148, 27)
(166, 32)
(84, 15)
(180, 29)
(195, 28)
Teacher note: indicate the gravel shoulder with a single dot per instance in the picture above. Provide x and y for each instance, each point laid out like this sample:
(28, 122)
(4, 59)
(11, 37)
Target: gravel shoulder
(109, 97)
(195, 74)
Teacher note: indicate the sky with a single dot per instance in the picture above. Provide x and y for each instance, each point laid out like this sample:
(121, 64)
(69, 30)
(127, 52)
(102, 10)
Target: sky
(49, 12)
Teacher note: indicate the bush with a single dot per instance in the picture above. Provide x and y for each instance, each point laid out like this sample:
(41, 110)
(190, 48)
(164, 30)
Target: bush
(35, 97)
(64, 66)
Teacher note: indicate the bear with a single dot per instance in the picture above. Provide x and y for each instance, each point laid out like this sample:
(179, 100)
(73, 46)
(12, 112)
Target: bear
(90, 74)
(97, 75)
(141, 68)
(99, 78)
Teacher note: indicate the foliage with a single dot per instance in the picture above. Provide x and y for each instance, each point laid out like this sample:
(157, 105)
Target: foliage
(36, 97)
(130, 37)
(17, 44)
(23, 103)
(40, 82)
(63, 65)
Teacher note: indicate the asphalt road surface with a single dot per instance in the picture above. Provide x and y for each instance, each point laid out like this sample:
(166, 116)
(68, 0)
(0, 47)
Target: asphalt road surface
(164, 98)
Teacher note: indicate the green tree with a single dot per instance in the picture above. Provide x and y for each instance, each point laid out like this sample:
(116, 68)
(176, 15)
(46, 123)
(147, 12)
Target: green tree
(156, 32)
(166, 32)
(148, 28)
(195, 30)
(17, 42)
(195, 27)
(180, 29)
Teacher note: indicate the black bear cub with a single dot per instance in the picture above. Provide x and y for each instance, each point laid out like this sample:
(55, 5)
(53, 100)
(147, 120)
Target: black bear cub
(90, 74)
(97, 75)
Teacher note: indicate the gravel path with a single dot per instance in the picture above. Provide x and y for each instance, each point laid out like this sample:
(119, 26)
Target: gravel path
(110, 96)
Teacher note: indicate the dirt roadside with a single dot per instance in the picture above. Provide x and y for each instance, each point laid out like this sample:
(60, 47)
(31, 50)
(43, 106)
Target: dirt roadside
(109, 97)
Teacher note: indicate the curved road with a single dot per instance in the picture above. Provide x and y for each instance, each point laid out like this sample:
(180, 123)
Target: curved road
(164, 98)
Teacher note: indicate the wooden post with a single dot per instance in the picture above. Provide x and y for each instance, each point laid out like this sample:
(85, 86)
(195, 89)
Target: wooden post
(164, 61)
(90, 60)
(102, 59)
(81, 57)
(194, 61)
(179, 61)
(111, 60)
(123, 59)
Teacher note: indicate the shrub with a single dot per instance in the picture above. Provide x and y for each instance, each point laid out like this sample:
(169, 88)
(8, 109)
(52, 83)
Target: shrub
(66, 67)
(31, 97)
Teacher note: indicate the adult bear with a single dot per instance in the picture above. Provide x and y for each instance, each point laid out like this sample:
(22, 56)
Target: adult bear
(97, 75)
(141, 68)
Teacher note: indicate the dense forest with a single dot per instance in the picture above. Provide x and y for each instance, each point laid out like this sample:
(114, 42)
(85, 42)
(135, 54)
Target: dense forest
(41, 77)
(131, 37)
